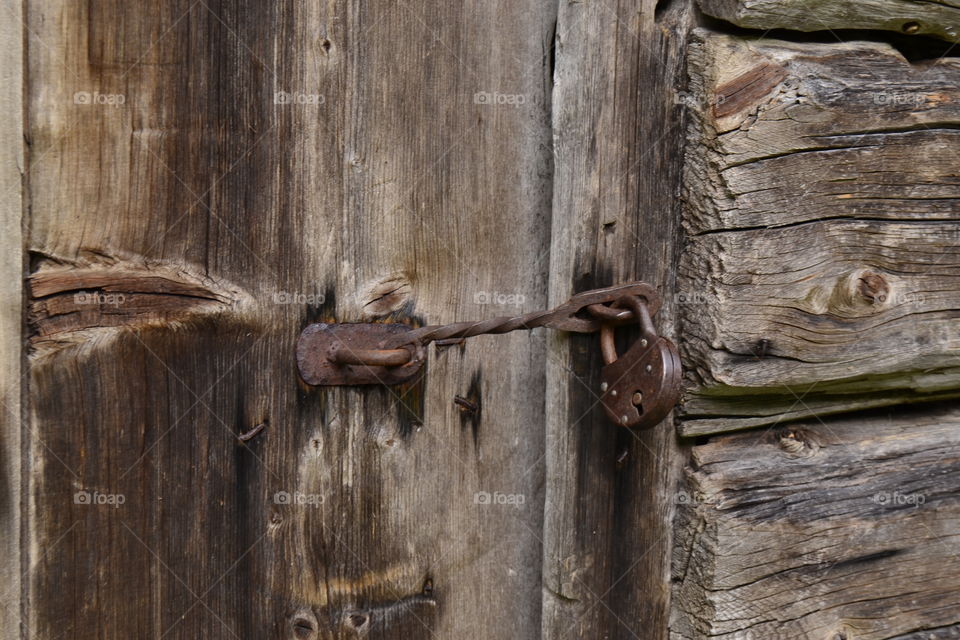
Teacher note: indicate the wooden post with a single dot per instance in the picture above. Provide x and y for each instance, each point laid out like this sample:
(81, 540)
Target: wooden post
(11, 320)
(618, 140)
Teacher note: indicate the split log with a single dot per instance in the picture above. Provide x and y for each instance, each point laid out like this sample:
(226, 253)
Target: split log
(821, 273)
(937, 18)
(840, 529)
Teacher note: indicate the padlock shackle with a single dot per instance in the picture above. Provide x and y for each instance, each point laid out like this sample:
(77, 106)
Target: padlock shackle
(608, 347)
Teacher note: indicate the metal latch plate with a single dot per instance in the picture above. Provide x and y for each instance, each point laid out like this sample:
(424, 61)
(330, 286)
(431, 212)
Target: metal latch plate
(319, 342)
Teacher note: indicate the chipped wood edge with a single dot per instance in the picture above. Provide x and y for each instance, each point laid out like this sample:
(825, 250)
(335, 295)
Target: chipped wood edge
(84, 304)
(11, 278)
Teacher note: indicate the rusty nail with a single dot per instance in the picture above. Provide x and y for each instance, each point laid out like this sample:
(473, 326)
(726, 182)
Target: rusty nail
(250, 435)
(622, 457)
(466, 405)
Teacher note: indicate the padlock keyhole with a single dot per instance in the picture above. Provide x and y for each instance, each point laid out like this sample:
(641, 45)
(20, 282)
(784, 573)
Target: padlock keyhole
(637, 401)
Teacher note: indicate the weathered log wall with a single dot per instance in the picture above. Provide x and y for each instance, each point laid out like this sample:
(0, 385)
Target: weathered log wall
(821, 274)
(840, 529)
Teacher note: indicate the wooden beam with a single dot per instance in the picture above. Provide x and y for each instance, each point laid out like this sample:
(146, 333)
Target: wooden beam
(11, 320)
(937, 18)
(846, 528)
(819, 276)
(617, 132)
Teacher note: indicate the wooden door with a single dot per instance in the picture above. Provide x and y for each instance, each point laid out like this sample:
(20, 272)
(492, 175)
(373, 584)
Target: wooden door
(188, 185)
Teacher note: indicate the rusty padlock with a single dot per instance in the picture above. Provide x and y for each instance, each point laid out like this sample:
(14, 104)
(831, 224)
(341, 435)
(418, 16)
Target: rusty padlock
(640, 387)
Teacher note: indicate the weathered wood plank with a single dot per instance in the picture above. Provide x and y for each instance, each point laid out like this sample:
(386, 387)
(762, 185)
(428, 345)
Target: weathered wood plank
(237, 170)
(839, 529)
(937, 18)
(821, 271)
(609, 492)
(11, 291)
(834, 130)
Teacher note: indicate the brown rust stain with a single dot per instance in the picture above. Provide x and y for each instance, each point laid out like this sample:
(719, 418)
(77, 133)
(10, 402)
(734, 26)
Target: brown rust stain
(747, 89)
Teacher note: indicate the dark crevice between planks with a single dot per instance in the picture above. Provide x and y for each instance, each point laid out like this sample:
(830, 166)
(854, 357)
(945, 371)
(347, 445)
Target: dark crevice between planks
(916, 49)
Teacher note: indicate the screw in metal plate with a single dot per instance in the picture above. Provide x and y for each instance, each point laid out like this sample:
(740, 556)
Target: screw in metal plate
(643, 342)
(603, 387)
(624, 419)
(649, 368)
(613, 392)
(637, 399)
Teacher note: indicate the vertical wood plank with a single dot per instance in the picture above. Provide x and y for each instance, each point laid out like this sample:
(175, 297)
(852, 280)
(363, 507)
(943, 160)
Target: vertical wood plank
(11, 279)
(232, 173)
(617, 134)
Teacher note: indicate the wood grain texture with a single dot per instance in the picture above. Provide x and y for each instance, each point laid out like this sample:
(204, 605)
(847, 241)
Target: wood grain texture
(617, 132)
(820, 272)
(11, 291)
(238, 170)
(838, 529)
(937, 18)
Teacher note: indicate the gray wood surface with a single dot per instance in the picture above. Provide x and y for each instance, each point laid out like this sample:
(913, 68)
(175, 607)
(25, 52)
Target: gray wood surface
(846, 528)
(936, 18)
(11, 319)
(820, 271)
(617, 136)
(269, 165)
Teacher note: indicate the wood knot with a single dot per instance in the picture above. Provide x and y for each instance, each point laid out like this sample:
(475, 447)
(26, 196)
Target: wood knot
(358, 620)
(857, 294)
(304, 625)
(873, 287)
(386, 295)
(797, 443)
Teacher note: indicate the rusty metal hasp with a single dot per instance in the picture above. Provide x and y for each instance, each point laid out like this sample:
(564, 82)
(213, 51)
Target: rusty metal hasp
(638, 389)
